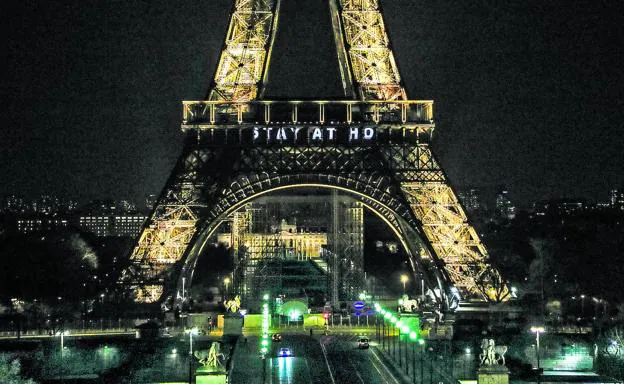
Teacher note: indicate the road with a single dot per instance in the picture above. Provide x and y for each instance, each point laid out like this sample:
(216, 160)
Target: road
(320, 359)
(352, 365)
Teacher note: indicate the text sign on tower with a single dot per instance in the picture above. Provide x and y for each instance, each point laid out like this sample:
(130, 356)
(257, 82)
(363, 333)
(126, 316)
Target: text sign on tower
(312, 134)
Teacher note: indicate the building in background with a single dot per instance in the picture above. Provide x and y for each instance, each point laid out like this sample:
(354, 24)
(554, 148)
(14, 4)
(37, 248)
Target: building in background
(470, 198)
(14, 204)
(41, 224)
(504, 208)
(46, 205)
(112, 225)
(616, 199)
(126, 206)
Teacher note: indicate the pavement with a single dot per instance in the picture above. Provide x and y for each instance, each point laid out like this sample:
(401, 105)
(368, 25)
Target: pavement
(78, 333)
(575, 377)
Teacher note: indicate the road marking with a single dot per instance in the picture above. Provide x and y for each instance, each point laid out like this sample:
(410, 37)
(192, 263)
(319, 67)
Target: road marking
(377, 369)
(331, 375)
(308, 366)
(384, 366)
(356, 370)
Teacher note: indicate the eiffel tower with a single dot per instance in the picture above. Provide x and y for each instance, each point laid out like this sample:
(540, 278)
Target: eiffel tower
(373, 144)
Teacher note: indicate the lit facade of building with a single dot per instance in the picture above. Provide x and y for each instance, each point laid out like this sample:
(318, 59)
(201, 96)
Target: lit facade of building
(106, 225)
(504, 207)
(14, 204)
(470, 198)
(617, 199)
(128, 225)
(40, 224)
(98, 225)
(288, 242)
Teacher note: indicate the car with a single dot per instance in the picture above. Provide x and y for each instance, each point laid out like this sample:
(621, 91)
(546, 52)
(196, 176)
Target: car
(363, 342)
(276, 337)
(285, 352)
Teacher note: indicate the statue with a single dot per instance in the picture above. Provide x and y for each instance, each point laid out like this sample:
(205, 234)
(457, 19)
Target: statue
(492, 354)
(212, 358)
(232, 305)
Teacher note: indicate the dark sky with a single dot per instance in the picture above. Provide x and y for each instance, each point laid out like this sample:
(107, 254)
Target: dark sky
(529, 94)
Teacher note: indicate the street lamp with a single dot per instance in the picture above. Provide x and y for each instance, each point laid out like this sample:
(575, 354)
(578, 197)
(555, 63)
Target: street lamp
(102, 312)
(467, 358)
(404, 279)
(226, 281)
(537, 331)
(62, 333)
(191, 332)
(422, 360)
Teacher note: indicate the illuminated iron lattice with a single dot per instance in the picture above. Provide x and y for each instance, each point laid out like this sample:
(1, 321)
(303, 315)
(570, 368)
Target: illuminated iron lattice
(401, 181)
(375, 72)
(244, 60)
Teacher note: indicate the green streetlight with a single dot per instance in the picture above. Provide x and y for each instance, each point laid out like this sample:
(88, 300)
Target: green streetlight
(537, 330)
(191, 332)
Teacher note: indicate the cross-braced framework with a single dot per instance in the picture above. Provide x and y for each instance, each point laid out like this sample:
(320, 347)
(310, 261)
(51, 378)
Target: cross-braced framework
(244, 60)
(224, 166)
(164, 241)
(374, 69)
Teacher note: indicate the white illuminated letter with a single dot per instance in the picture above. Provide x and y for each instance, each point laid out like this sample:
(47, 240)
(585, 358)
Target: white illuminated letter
(281, 134)
(331, 131)
(268, 132)
(353, 133)
(256, 133)
(295, 131)
(317, 134)
(368, 133)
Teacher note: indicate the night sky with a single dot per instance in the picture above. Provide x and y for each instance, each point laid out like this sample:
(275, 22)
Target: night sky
(529, 94)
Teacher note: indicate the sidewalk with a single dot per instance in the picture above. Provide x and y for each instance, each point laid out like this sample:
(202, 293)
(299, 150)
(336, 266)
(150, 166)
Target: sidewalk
(72, 333)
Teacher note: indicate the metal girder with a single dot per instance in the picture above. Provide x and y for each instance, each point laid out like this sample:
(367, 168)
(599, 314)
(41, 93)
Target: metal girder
(373, 68)
(244, 60)
(167, 232)
(453, 239)
(432, 200)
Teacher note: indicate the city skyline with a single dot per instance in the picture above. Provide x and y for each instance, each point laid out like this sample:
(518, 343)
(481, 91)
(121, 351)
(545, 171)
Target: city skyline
(525, 100)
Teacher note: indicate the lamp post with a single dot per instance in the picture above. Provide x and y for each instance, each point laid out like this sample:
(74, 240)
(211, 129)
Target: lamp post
(537, 331)
(404, 280)
(430, 349)
(466, 359)
(226, 281)
(422, 360)
(191, 332)
(102, 312)
(413, 336)
(61, 334)
(383, 333)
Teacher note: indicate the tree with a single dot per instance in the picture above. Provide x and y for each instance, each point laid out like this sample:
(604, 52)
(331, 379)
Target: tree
(10, 371)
